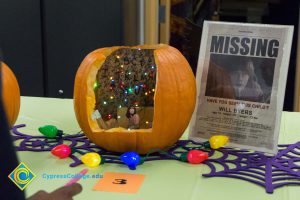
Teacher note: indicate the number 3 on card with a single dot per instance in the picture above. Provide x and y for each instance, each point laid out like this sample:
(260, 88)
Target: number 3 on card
(119, 182)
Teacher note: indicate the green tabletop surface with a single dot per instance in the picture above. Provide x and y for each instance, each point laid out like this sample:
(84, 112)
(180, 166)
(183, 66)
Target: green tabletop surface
(166, 179)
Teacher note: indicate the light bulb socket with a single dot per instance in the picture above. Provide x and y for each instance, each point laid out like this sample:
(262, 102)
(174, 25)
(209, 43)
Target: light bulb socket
(206, 145)
(183, 157)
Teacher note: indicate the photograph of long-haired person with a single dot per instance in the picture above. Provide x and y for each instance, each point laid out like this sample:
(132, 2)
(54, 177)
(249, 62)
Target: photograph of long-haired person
(240, 77)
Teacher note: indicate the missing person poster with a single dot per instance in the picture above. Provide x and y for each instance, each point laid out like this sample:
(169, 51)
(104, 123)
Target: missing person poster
(241, 78)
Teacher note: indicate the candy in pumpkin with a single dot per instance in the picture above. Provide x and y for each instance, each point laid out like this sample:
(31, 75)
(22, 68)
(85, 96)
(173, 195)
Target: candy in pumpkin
(134, 98)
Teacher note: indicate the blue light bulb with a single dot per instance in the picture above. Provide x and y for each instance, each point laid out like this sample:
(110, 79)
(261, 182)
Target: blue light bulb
(131, 159)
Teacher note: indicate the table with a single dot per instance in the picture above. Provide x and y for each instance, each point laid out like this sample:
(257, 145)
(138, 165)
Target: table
(167, 179)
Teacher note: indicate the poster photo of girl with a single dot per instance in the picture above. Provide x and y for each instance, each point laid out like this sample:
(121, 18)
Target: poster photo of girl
(133, 117)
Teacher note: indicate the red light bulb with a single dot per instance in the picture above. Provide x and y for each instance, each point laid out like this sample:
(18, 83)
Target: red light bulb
(196, 156)
(61, 151)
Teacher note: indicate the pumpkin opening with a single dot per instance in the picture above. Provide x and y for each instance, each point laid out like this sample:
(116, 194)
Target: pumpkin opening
(124, 89)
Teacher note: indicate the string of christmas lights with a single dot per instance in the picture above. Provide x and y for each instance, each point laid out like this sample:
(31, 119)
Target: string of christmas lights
(131, 83)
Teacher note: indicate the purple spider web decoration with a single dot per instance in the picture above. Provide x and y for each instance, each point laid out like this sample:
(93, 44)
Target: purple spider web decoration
(268, 171)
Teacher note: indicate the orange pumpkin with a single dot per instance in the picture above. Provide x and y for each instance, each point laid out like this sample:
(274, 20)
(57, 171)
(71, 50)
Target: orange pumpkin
(174, 102)
(11, 94)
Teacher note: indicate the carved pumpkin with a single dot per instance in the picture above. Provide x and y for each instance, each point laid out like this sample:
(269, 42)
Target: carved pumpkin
(170, 103)
(10, 95)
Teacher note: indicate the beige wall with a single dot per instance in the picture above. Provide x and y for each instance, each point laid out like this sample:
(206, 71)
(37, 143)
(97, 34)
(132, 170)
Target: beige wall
(297, 82)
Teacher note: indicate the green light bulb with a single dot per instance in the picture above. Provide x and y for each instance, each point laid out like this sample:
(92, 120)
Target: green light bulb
(130, 90)
(95, 85)
(49, 131)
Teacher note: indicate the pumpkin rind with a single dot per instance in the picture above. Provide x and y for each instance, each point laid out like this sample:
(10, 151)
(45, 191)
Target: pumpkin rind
(174, 102)
(10, 95)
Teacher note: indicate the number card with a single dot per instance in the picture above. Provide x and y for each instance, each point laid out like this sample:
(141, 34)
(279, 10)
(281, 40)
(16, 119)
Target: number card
(120, 182)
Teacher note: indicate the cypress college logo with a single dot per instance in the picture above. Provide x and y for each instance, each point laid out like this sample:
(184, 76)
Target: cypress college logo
(21, 176)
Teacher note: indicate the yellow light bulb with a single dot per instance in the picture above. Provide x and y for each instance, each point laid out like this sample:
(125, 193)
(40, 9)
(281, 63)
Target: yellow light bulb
(218, 141)
(91, 159)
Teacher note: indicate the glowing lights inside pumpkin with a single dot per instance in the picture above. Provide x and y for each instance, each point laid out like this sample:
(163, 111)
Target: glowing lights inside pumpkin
(124, 89)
